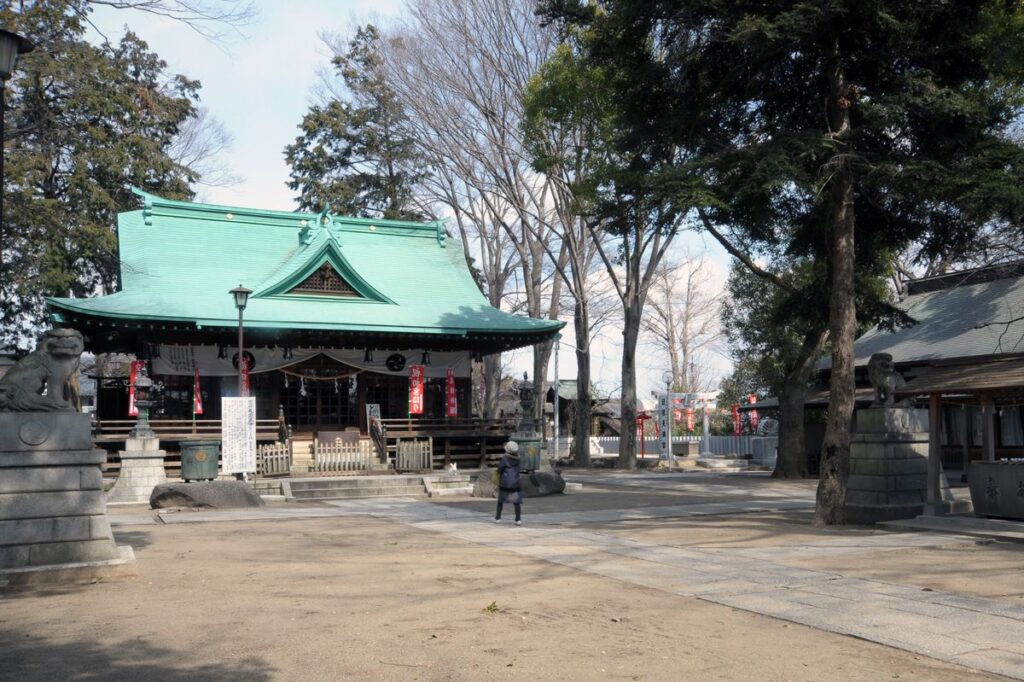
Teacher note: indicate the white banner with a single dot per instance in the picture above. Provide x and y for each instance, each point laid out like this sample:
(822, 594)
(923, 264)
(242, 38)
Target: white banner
(183, 360)
(238, 435)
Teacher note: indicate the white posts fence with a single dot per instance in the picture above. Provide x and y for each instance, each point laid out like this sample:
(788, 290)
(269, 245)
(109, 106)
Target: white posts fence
(761, 448)
(341, 456)
(274, 459)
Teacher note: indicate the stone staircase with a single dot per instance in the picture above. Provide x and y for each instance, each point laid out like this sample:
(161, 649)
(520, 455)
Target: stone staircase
(724, 463)
(352, 487)
(445, 485)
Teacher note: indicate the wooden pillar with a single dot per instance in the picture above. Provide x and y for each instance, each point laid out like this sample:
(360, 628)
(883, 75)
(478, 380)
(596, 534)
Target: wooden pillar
(934, 453)
(988, 432)
(965, 439)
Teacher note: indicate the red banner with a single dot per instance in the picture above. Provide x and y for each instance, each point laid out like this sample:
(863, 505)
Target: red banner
(451, 397)
(197, 396)
(689, 419)
(136, 366)
(415, 389)
(677, 416)
(737, 421)
(754, 418)
(245, 377)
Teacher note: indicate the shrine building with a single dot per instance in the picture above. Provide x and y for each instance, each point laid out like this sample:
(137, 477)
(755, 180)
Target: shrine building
(341, 309)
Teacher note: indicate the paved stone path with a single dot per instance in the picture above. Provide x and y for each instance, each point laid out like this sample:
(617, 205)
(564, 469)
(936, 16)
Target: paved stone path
(985, 634)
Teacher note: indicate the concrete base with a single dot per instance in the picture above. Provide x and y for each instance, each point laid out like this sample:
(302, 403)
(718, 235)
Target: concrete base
(142, 469)
(889, 466)
(52, 508)
(72, 573)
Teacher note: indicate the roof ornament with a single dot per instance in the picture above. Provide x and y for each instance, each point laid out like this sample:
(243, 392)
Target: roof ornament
(312, 228)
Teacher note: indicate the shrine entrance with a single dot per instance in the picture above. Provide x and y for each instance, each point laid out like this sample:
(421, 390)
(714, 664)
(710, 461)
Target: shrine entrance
(320, 394)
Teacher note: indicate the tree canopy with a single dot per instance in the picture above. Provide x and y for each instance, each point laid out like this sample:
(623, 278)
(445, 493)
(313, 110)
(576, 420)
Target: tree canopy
(355, 153)
(83, 124)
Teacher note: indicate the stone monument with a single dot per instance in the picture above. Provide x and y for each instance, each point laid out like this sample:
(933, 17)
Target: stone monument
(888, 454)
(53, 519)
(142, 462)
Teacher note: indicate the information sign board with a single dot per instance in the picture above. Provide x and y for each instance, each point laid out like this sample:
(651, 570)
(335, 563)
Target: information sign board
(238, 435)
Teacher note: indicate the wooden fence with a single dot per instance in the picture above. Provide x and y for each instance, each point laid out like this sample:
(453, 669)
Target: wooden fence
(414, 454)
(274, 459)
(338, 455)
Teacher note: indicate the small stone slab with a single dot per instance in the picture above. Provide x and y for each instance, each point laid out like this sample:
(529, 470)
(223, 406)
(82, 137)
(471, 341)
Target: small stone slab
(205, 495)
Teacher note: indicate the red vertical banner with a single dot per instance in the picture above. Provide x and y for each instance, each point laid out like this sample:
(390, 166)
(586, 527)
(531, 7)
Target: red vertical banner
(737, 422)
(689, 419)
(451, 397)
(245, 377)
(133, 372)
(754, 418)
(415, 389)
(197, 396)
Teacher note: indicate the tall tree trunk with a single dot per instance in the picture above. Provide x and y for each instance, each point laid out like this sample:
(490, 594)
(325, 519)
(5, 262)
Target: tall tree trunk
(581, 430)
(492, 384)
(627, 426)
(792, 460)
(835, 459)
(541, 358)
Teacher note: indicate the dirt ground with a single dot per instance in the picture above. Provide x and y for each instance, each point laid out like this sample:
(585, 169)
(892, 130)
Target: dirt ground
(365, 599)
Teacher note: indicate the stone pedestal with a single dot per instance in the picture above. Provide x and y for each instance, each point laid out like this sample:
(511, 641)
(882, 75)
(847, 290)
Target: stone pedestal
(889, 466)
(53, 518)
(142, 469)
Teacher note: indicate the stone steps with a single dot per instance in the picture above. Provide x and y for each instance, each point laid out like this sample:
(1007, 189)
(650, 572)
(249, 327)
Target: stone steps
(350, 487)
(724, 463)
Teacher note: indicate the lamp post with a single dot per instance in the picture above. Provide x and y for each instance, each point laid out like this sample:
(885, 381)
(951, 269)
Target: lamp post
(11, 46)
(241, 295)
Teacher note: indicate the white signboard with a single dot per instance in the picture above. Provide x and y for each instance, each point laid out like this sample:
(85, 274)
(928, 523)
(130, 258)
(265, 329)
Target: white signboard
(238, 435)
(372, 412)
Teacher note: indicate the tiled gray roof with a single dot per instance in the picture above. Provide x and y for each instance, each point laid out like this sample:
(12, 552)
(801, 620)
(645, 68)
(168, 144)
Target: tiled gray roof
(966, 321)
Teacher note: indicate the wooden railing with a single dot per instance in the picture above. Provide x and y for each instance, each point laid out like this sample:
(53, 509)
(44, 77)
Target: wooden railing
(339, 455)
(471, 442)
(274, 459)
(414, 455)
(114, 430)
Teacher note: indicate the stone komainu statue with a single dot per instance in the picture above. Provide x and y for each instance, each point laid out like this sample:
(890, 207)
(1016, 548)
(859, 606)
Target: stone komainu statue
(883, 376)
(45, 380)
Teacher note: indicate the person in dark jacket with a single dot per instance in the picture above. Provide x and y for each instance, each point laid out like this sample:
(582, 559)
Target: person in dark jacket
(508, 482)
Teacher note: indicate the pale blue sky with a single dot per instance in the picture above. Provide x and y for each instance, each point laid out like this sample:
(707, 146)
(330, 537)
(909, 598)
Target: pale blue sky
(259, 85)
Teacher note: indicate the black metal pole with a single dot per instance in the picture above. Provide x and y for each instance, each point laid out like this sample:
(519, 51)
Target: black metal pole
(241, 354)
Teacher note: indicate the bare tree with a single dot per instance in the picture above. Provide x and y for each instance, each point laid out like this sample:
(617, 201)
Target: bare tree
(212, 19)
(461, 68)
(682, 320)
(200, 146)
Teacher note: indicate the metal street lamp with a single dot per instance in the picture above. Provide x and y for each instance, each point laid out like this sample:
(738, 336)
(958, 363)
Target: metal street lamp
(11, 45)
(241, 295)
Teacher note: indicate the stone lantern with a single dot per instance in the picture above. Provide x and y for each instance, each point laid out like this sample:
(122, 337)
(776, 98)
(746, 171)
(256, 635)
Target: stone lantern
(526, 436)
(144, 390)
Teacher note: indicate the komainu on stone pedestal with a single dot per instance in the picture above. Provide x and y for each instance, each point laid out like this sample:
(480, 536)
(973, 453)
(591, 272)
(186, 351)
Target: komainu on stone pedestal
(53, 518)
(45, 380)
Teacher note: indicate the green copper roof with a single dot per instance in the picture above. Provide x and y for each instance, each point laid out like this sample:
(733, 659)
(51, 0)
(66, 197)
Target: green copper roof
(179, 260)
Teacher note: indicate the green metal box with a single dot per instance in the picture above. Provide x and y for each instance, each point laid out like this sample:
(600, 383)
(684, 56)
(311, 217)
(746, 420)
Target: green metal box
(199, 460)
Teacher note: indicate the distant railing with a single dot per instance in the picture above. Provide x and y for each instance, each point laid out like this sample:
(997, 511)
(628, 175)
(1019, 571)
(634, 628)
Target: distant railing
(114, 430)
(412, 428)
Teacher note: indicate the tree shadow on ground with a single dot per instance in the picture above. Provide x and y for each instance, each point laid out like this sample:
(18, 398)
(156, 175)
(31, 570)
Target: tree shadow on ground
(137, 539)
(27, 658)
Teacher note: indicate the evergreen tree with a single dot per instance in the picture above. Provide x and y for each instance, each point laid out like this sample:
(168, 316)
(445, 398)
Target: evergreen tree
(863, 125)
(83, 125)
(355, 153)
